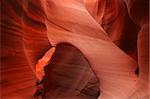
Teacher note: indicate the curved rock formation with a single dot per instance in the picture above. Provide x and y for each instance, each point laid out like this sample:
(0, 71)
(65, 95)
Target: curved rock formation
(100, 44)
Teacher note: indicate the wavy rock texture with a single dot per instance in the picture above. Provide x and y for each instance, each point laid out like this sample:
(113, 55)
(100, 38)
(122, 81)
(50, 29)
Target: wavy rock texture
(100, 45)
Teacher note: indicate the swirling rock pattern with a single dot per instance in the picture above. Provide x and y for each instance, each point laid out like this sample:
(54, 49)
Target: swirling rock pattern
(99, 46)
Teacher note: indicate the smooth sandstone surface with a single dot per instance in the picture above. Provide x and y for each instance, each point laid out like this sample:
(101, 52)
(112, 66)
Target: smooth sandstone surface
(86, 49)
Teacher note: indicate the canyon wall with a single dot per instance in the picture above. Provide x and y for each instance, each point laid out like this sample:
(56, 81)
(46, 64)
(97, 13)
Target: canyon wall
(102, 49)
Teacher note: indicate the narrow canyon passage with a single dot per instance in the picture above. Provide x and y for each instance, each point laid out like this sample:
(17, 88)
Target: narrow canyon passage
(74, 49)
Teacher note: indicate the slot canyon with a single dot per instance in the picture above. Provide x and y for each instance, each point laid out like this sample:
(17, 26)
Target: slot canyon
(74, 49)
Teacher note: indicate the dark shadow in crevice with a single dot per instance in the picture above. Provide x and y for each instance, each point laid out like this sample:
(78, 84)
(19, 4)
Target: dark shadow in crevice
(69, 76)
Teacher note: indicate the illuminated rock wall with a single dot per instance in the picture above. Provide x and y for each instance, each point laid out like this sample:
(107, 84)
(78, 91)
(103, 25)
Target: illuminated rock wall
(99, 46)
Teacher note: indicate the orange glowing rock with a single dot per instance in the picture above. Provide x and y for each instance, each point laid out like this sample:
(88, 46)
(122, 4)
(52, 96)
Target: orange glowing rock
(41, 63)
